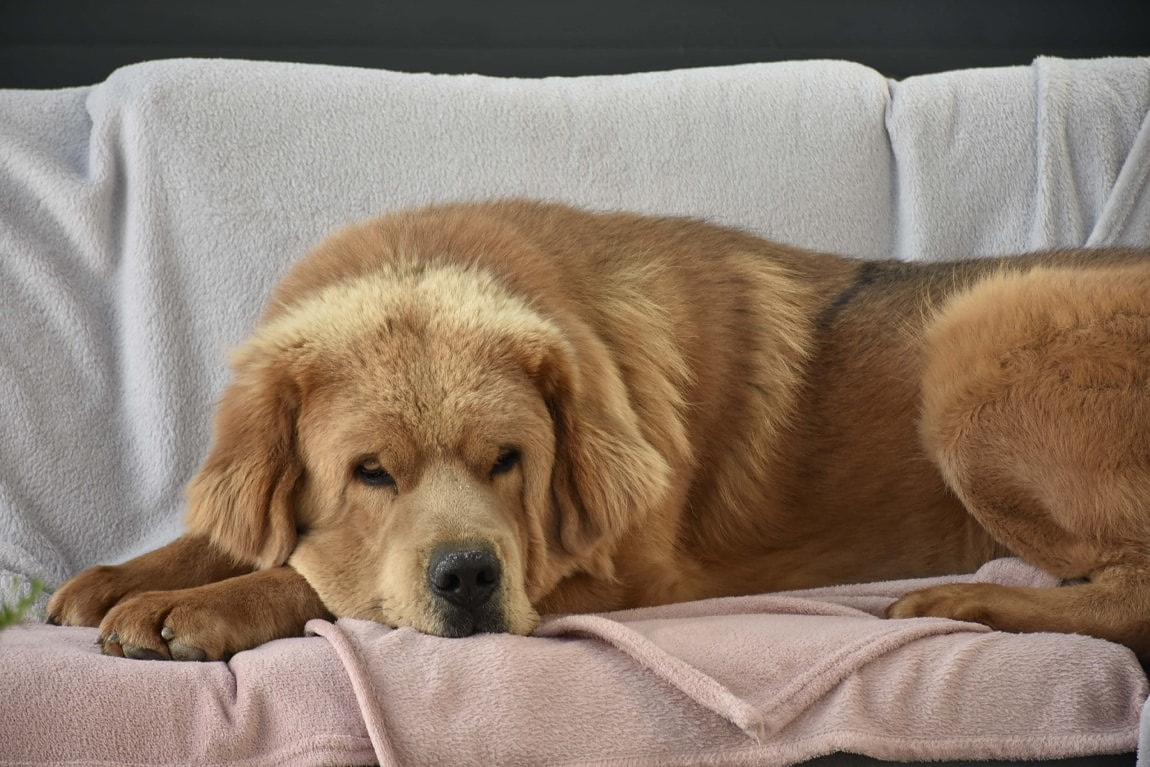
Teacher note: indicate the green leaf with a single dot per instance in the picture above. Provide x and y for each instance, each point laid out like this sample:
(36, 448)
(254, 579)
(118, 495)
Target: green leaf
(10, 614)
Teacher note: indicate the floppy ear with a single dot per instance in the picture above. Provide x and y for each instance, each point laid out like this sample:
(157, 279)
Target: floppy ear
(242, 497)
(606, 475)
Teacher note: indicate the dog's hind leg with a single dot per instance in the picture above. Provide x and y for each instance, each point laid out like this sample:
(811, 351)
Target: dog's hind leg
(1036, 408)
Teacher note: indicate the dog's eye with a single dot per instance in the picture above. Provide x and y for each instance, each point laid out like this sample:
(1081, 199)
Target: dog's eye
(508, 460)
(371, 473)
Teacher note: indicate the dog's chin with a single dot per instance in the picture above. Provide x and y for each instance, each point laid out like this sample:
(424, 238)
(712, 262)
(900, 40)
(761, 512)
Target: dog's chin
(455, 623)
(438, 617)
(447, 620)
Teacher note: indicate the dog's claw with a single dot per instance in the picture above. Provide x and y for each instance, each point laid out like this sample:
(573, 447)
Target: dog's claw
(180, 650)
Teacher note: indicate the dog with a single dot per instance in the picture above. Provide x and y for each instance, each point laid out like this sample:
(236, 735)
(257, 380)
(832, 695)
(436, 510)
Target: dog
(458, 417)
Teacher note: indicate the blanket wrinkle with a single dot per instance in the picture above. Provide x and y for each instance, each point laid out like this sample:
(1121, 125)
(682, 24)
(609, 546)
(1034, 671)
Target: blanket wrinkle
(1085, 125)
(492, 700)
(786, 678)
(1128, 207)
(365, 691)
(699, 686)
(1031, 157)
(799, 672)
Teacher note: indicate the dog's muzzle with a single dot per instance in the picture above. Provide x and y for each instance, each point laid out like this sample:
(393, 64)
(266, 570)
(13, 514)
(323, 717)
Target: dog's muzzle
(465, 581)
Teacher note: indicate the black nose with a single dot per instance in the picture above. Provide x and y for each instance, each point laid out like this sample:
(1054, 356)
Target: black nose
(464, 575)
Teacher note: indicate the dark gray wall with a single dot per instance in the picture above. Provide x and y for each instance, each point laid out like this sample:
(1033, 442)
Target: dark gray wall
(54, 43)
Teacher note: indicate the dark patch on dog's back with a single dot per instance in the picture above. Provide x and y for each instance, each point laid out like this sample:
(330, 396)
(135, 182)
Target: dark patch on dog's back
(894, 282)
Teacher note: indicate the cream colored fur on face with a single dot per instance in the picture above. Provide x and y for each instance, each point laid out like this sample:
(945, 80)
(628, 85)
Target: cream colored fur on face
(432, 377)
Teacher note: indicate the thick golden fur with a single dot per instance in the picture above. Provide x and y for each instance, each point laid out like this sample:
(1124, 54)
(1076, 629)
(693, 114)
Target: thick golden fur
(612, 410)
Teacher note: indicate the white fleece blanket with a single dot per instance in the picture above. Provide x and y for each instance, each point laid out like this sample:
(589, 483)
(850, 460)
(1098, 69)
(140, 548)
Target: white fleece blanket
(143, 220)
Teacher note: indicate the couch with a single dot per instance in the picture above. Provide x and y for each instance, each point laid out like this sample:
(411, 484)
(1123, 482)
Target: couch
(144, 219)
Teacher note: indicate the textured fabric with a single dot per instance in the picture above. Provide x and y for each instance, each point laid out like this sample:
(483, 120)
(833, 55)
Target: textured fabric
(762, 680)
(997, 161)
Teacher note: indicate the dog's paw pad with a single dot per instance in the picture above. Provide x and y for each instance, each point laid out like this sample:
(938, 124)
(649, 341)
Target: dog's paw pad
(141, 653)
(187, 652)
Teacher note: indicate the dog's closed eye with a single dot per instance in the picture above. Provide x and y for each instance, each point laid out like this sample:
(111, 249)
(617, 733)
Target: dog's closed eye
(371, 473)
(508, 459)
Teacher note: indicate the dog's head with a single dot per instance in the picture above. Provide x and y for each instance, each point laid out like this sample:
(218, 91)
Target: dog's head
(427, 450)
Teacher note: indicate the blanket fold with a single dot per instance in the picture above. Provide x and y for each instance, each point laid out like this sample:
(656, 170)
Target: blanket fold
(763, 680)
(999, 161)
(767, 679)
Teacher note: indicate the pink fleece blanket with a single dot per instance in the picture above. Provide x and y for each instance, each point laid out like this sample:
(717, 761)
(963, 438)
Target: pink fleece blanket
(765, 680)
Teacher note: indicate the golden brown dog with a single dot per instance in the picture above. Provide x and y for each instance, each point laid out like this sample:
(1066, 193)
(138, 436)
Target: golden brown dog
(458, 417)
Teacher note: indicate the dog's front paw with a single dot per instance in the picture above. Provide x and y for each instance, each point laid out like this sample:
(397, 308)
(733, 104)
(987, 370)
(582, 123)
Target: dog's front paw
(86, 599)
(971, 602)
(167, 625)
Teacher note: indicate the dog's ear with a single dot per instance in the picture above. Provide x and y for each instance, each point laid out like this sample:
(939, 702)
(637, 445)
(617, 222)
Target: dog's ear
(606, 475)
(243, 495)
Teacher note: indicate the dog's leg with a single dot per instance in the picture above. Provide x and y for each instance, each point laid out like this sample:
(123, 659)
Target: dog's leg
(185, 562)
(214, 621)
(1036, 407)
